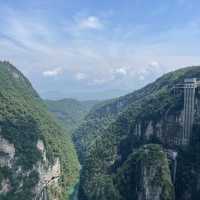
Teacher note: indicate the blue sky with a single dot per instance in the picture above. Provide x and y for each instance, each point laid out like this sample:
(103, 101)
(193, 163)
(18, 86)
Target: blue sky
(98, 49)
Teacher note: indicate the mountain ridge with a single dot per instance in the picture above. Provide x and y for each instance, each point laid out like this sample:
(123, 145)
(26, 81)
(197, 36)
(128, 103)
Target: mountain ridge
(70, 112)
(150, 117)
(34, 149)
(108, 110)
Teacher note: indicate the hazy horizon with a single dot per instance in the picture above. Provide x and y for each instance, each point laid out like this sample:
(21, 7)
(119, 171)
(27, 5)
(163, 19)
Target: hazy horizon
(98, 50)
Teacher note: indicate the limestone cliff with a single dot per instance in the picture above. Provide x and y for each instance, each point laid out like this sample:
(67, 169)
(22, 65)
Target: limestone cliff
(154, 115)
(48, 173)
(146, 175)
(37, 158)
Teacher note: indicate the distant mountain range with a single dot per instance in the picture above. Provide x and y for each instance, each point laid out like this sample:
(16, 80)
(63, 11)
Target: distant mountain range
(130, 148)
(84, 96)
(70, 112)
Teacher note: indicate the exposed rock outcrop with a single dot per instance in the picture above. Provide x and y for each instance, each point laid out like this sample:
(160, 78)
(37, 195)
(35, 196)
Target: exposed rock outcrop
(36, 154)
(7, 152)
(5, 186)
(49, 173)
(146, 175)
(155, 115)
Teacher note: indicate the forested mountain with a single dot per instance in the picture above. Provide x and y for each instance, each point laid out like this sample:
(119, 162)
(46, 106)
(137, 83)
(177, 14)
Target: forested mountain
(107, 112)
(37, 158)
(70, 112)
(132, 147)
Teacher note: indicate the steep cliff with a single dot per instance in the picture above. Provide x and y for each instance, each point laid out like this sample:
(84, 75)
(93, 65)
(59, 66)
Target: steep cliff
(37, 159)
(146, 175)
(153, 114)
(107, 112)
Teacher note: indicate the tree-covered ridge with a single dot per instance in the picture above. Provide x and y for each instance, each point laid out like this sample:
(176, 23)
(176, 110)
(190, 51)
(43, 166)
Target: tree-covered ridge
(70, 112)
(117, 140)
(145, 170)
(24, 120)
(102, 115)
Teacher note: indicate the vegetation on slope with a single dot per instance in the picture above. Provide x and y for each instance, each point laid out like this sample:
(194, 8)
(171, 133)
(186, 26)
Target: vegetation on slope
(23, 120)
(70, 112)
(114, 125)
(99, 119)
(145, 171)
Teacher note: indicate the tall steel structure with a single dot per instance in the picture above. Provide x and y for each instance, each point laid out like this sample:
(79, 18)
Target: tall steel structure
(189, 87)
(189, 98)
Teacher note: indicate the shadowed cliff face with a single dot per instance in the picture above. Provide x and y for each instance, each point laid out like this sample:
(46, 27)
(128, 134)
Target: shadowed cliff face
(146, 175)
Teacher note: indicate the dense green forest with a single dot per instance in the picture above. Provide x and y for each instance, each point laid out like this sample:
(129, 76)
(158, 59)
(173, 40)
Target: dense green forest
(24, 120)
(124, 144)
(107, 139)
(70, 112)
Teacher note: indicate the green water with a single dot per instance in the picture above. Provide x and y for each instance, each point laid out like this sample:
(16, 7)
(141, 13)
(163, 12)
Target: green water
(74, 195)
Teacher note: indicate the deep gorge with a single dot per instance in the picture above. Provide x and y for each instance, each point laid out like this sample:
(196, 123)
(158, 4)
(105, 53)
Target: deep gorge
(129, 148)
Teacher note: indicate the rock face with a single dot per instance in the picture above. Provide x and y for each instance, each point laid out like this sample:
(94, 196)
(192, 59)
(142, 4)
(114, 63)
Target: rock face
(49, 173)
(146, 175)
(154, 115)
(5, 186)
(7, 153)
(37, 158)
(149, 130)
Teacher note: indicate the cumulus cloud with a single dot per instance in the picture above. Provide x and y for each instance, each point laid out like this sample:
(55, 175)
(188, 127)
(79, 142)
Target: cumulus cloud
(91, 22)
(153, 67)
(98, 81)
(141, 77)
(32, 42)
(118, 73)
(154, 64)
(121, 71)
(81, 76)
(108, 76)
(53, 72)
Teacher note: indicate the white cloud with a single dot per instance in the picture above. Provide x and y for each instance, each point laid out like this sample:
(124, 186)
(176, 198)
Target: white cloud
(108, 76)
(154, 65)
(121, 71)
(98, 82)
(47, 46)
(53, 72)
(80, 76)
(141, 77)
(91, 22)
